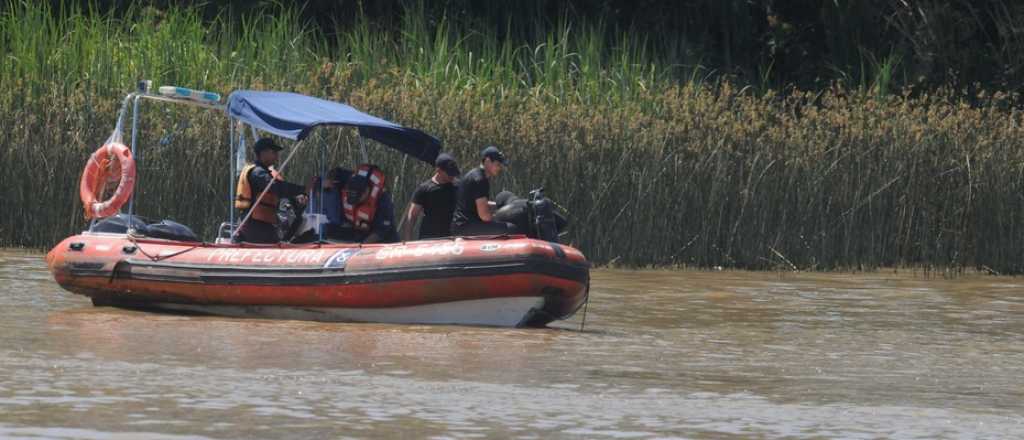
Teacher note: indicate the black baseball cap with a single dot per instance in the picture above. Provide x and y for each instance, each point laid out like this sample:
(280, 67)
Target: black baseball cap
(339, 175)
(493, 153)
(356, 185)
(265, 143)
(447, 164)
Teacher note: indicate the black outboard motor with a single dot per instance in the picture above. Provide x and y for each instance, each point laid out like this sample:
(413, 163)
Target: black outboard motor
(535, 217)
(542, 216)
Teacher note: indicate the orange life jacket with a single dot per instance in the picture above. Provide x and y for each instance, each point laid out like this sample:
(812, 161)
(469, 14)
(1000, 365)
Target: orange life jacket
(266, 211)
(361, 216)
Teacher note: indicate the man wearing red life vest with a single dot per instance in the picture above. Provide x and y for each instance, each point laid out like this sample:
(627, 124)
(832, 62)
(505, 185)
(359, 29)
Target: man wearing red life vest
(368, 208)
(262, 226)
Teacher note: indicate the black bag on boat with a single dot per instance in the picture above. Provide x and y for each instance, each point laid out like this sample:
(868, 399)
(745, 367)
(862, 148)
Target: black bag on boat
(171, 230)
(118, 224)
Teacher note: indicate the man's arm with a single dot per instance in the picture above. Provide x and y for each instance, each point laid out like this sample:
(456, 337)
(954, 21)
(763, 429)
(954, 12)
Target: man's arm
(483, 209)
(410, 220)
(260, 178)
(287, 189)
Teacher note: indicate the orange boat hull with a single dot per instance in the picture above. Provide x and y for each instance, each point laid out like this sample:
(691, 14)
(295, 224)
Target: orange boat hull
(512, 281)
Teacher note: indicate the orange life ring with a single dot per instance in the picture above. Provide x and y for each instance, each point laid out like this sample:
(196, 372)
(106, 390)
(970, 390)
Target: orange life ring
(100, 172)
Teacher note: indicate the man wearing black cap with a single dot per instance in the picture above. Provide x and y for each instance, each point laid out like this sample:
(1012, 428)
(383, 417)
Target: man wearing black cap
(435, 198)
(262, 225)
(472, 214)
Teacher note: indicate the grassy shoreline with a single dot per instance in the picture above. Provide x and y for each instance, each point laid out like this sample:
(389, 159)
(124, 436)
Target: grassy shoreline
(651, 170)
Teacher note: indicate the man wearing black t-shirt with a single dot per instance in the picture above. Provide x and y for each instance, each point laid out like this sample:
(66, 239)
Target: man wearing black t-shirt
(435, 199)
(472, 209)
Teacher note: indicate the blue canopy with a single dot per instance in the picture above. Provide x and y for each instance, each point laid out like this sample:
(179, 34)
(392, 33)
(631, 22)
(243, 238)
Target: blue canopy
(292, 116)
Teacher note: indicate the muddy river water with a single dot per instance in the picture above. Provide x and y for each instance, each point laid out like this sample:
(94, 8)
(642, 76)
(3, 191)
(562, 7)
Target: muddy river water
(664, 354)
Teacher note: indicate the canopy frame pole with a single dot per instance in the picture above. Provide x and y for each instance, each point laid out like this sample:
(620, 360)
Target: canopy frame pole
(135, 137)
(231, 174)
(241, 144)
(320, 199)
(362, 148)
(236, 166)
(185, 101)
(121, 114)
(119, 131)
(256, 202)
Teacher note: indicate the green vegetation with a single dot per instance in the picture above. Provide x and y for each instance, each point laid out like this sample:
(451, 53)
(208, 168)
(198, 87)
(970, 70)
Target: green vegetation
(657, 162)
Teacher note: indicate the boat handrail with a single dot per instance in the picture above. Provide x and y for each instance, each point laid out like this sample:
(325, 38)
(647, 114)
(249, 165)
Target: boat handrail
(207, 105)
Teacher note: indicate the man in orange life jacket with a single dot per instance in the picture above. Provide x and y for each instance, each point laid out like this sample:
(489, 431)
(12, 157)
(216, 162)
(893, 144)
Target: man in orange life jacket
(262, 226)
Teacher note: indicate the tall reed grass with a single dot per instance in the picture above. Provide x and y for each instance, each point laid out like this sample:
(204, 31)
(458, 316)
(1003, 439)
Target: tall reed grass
(651, 169)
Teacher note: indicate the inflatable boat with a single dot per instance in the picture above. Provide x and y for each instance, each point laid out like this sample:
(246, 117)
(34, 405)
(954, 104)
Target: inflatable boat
(495, 281)
(506, 280)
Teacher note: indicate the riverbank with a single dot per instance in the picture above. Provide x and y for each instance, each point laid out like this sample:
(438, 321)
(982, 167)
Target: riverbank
(650, 170)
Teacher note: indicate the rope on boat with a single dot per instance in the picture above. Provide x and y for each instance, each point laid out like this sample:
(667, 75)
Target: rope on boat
(258, 199)
(586, 302)
(559, 206)
(159, 257)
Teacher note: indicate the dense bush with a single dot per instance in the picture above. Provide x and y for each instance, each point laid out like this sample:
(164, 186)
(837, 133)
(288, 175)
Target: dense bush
(652, 167)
